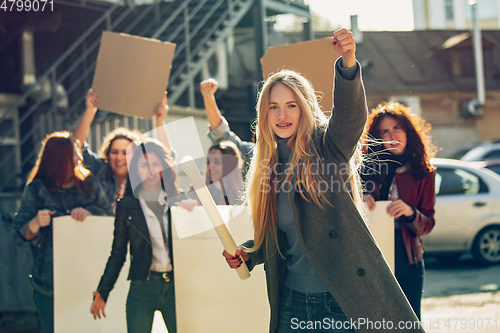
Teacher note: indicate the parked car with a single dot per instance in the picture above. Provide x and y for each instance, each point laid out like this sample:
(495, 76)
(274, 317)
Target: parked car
(467, 211)
(481, 152)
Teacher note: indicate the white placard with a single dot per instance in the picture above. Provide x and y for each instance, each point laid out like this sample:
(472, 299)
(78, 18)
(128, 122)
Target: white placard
(206, 288)
(210, 298)
(81, 250)
(381, 226)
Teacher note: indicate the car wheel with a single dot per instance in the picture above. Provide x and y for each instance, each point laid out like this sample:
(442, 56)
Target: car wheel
(486, 248)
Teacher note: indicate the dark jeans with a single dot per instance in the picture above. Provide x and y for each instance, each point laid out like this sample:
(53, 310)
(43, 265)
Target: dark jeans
(45, 307)
(144, 298)
(311, 312)
(410, 277)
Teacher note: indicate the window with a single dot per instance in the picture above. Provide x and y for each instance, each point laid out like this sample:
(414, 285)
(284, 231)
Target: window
(495, 168)
(458, 182)
(487, 9)
(492, 155)
(448, 8)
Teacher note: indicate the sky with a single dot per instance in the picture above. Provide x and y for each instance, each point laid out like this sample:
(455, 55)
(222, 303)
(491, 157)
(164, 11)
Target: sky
(373, 15)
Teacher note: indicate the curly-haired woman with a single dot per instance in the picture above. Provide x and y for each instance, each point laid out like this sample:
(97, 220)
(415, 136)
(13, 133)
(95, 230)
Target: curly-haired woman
(400, 171)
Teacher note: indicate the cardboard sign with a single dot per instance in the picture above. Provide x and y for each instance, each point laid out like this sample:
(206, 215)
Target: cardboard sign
(313, 59)
(381, 226)
(132, 73)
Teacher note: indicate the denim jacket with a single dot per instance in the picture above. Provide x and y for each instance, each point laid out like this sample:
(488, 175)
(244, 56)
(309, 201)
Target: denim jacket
(37, 197)
(99, 168)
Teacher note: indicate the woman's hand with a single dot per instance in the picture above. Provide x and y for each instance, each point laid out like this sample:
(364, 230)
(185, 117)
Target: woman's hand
(370, 201)
(91, 100)
(80, 214)
(343, 42)
(188, 204)
(399, 208)
(235, 261)
(44, 217)
(98, 306)
(161, 111)
(208, 87)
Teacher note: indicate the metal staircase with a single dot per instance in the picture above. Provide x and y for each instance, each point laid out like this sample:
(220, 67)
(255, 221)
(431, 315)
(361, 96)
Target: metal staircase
(196, 26)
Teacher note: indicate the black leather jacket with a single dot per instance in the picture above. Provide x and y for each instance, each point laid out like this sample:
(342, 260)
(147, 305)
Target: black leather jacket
(130, 226)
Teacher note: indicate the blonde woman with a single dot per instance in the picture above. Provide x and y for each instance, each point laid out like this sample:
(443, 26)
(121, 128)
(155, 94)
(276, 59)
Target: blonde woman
(323, 268)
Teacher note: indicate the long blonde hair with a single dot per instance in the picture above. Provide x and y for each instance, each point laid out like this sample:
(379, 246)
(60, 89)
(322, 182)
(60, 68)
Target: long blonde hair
(260, 194)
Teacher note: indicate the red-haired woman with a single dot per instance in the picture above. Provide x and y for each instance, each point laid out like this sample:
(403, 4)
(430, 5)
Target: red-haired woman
(58, 185)
(399, 170)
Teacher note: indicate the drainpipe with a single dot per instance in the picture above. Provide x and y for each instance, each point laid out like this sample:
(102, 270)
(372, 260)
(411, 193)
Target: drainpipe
(475, 107)
(358, 34)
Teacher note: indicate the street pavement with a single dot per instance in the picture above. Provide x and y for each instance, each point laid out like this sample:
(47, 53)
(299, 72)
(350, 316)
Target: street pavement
(461, 297)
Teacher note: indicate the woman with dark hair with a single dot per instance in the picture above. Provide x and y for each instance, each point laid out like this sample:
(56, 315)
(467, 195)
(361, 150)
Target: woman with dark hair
(218, 126)
(111, 165)
(143, 220)
(399, 170)
(58, 185)
(224, 179)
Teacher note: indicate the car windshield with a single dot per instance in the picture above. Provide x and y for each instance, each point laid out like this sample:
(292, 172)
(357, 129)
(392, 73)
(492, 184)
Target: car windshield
(479, 153)
(495, 168)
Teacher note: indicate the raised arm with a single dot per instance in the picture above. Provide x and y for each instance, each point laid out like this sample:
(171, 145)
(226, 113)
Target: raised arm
(208, 89)
(343, 42)
(160, 114)
(219, 128)
(82, 128)
(349, 111)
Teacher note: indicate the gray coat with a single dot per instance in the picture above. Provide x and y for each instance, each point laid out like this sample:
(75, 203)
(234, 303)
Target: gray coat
(335, 238)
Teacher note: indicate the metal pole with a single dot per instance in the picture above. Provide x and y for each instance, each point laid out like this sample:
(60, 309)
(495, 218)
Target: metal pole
(260, 31)
(478, 55)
